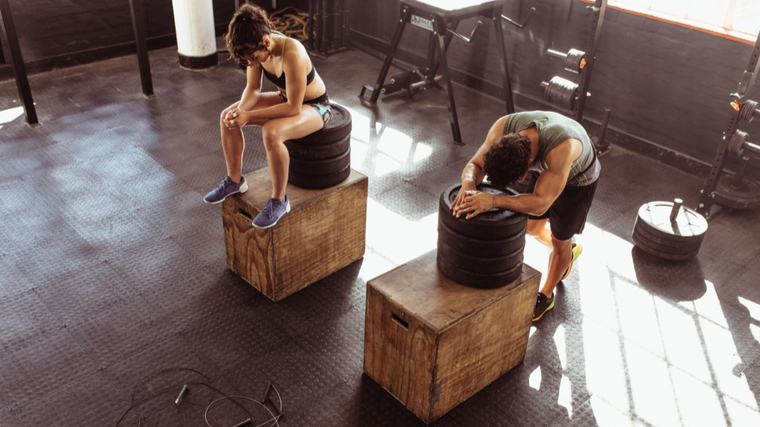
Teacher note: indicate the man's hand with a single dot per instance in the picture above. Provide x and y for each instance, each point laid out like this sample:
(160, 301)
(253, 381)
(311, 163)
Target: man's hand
(475, 204)
(467, 187)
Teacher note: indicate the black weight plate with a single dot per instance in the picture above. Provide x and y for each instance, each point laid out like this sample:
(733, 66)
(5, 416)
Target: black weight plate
(321, 167)
(474, 264)
(475, 280)
(667, 247)
(479, 248)
(693, 242)
(746, 196)
(655, 217)
(643, 245)
(495, 224)
(308, 151)
(318, 181)
(336, 129)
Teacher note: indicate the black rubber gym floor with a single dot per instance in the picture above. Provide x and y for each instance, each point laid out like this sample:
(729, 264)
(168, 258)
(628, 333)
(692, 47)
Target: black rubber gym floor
(114, 290)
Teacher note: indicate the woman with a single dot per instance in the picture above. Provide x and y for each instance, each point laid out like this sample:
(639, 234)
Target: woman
(299, 107)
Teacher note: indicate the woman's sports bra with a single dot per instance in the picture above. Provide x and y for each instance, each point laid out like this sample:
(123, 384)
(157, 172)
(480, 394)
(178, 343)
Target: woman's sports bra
(280, 81)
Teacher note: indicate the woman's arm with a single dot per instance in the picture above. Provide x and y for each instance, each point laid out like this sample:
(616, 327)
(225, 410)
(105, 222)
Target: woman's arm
(295, 66)
(252, 91)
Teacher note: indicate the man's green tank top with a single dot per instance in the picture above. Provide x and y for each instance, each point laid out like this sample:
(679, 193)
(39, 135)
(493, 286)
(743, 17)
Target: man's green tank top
(553, 129)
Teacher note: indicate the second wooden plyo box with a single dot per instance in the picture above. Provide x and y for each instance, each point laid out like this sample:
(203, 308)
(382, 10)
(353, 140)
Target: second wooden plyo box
(433, 343)
(324, 232)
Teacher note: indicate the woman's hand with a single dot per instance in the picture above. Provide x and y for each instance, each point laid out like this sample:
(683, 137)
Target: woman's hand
(475, 203)
(467, 187)
(235, 118)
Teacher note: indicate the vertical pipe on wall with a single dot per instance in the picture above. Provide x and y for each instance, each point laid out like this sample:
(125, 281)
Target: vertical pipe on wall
(17, 64)
(196, 36)
(140, 30)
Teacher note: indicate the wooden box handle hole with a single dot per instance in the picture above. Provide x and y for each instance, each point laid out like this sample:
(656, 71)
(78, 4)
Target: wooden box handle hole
(246, 214)
(399, 321)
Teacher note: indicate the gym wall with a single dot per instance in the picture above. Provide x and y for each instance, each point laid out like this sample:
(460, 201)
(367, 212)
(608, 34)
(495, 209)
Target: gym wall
(668, 86)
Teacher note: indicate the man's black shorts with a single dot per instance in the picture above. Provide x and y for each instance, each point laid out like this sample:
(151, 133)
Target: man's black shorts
(567, 215)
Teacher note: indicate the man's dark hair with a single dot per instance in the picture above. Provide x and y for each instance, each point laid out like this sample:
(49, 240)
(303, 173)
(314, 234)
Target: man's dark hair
(246, 32)
(506, 162)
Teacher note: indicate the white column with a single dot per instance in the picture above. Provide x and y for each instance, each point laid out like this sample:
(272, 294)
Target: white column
(196, 40)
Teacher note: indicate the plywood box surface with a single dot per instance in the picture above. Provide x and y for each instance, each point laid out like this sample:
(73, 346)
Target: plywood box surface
(324, 232)
(433, 343)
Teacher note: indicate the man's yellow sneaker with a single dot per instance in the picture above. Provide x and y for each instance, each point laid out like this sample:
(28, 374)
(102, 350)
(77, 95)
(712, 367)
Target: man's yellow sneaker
(577, 249)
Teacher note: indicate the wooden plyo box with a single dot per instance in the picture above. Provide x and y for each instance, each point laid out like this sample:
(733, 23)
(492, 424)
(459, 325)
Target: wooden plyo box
(433, 343)
(324, 232)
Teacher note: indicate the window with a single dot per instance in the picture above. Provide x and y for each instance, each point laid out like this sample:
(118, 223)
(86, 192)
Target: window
(733, 18)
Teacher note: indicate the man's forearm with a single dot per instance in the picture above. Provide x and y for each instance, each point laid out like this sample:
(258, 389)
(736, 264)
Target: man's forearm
(472, 173)
(524, 203)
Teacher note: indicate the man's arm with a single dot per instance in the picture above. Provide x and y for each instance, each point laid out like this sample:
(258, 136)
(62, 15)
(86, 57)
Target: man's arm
(548, 186)
(473, 174)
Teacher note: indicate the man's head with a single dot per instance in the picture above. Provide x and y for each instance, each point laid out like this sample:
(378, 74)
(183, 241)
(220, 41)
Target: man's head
(507, 161)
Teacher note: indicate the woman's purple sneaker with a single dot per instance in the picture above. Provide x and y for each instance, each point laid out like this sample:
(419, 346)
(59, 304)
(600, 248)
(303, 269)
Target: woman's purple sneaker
(272, 212)
(227, 189)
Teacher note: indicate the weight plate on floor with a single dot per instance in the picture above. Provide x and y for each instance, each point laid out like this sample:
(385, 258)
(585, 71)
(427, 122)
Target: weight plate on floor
(684, 244)
(655, 216)
(658, 250)
(495, 224)
(746, 195)
(310, 151)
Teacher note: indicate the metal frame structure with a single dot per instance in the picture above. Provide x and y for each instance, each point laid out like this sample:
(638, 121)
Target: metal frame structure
(139, 25)
(442, 25)
(707, 196)
(17, 64)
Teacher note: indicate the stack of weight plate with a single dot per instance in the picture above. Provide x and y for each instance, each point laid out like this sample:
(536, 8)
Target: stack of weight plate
(481, 252)
(322, 159)
(678, 238)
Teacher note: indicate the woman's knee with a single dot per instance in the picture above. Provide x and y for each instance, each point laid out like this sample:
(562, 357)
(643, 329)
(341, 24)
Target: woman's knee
(271, 136)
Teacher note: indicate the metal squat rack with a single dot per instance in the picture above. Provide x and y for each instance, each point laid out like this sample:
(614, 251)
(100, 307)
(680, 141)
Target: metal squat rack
(570, 95)
(735, 191)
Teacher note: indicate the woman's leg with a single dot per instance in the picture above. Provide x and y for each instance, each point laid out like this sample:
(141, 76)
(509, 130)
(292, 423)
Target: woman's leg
(233, 142)
(275, 132)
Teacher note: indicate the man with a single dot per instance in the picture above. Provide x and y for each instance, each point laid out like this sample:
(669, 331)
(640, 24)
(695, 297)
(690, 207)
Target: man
(556, 157)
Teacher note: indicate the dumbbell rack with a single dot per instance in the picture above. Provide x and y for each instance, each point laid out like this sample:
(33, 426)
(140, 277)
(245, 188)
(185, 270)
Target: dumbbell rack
(571, 96)
(734, 141)
(441, 21)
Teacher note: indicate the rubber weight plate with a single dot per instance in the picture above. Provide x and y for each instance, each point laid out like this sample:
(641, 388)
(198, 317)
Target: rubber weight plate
(478, 280)
(318, 181)
(678, 254)
(657, 241)
(477, 247)
(495, 224)
(745, 195)
(321, 167)
(478, 264)
(337, 128)
(310, 151)
(654, 217)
